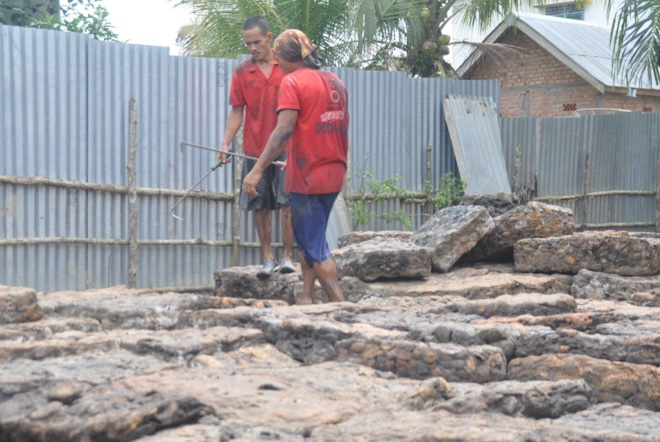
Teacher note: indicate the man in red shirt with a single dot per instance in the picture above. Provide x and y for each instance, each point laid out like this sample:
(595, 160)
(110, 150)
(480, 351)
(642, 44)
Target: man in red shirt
(313, 115)
(254, 87)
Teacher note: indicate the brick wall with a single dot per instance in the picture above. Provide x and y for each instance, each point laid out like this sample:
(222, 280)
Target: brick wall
(536, 84)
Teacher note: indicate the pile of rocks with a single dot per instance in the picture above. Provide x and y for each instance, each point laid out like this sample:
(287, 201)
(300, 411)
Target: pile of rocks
(480, 326)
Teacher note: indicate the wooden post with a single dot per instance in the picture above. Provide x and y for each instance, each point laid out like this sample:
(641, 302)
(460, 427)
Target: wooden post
(429, 180)
(236, 225)
(657, 193)
(585, 201)
(133, 210)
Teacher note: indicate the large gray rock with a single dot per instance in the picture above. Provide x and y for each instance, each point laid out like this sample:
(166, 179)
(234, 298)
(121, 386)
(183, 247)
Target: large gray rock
(496, 203)
(242, 282)
(18, 304)
(357, 237)
(630, 384)
(588, 284)
(420, 361)
(382, 259)
(532, 220)
(452, 232)
(622, 253)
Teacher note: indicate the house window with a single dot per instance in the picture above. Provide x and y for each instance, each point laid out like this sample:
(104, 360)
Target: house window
(566, 10)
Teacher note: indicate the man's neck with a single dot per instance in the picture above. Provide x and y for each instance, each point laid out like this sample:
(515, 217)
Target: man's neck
(267, 60)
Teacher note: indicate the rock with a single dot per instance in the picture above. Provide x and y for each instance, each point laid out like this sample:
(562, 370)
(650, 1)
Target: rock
(496, 204)
(480, 352)
(420, 361)
(382, 259)
(18, 304)
(348, 239)
(242, 282)
(532, 220)
(508, 305)
(535, 399)
(471, 283)
(452, 232)
(105, 412)
(630, 384)
(622, 253)
(588, 284)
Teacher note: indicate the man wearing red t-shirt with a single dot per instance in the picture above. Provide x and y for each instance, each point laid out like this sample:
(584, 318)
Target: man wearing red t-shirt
(313, 116)
(254, 87)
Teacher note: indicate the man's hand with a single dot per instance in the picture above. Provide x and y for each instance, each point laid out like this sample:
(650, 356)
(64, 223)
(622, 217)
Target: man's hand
(280, 164)
(250, 183)
(222, 155)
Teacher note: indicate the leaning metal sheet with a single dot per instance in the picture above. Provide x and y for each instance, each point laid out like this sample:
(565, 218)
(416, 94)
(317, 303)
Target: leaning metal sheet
(475, 134)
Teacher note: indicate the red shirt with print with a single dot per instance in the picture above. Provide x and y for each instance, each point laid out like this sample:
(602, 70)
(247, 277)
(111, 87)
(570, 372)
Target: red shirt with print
(318, 147)
(251, 88)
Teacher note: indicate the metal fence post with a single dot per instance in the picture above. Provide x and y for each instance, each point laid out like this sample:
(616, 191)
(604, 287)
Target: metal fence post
(133, 211)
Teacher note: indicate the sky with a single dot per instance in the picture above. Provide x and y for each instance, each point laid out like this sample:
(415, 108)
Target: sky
(147, 22)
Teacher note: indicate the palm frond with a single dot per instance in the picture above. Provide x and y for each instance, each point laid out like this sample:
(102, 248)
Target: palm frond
(635, 41)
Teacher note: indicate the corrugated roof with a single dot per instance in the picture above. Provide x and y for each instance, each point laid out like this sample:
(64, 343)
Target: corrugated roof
(583, 47)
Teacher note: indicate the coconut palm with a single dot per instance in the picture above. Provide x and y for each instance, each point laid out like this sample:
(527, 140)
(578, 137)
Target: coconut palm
(402, 35)
(635, 40)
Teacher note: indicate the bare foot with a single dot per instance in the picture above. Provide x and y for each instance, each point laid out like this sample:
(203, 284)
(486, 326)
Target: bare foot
(337, 298)
(304, 300)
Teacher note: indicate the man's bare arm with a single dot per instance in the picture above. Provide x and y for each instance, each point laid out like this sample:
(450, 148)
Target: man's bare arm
(286, 122)
(234, 121)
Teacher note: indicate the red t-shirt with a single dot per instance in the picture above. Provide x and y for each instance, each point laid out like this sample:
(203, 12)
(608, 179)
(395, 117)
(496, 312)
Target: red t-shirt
(318, 147)
(251, 88)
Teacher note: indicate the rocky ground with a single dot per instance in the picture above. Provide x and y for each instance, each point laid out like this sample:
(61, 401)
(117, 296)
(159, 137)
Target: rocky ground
(562, 342)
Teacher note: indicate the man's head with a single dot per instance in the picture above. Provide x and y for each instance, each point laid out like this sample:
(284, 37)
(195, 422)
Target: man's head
(293, 50)
(257, 37)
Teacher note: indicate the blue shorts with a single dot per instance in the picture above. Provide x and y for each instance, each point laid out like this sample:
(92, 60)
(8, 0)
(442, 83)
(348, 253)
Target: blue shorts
(270, 190)
(309, 217)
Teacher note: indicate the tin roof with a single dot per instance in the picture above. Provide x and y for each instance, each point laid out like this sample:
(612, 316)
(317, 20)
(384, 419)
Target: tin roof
(583, 47)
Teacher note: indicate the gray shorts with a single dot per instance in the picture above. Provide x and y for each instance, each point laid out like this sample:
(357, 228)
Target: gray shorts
(270, 190)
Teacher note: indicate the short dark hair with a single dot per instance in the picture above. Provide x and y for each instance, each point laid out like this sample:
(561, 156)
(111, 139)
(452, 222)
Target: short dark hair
(257, 22)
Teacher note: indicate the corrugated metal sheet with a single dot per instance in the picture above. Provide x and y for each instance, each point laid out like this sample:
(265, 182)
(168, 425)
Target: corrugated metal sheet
(623, 155)
(42, 115)
(583, 46)
(475, 130)
(64, 113)
(519, 144)
(586, 44)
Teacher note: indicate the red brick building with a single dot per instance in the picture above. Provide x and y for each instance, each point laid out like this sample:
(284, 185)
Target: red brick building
(564, 66)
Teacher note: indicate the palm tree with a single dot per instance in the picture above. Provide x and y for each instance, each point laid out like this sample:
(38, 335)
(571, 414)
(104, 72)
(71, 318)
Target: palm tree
(402, 35)
(635, 40)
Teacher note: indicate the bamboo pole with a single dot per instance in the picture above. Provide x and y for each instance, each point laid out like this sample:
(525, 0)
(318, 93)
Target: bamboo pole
(657, 192)
(133, 209)
(236, 226)
(585, 200)
(110, 188)
(429, 178)
(123, 242)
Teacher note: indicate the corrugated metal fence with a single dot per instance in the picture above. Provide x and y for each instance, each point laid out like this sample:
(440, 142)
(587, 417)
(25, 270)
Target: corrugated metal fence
(86, 185)
(605, 168)
(79, 212)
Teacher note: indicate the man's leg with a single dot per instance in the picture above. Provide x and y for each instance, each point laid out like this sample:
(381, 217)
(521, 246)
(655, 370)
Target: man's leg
(309, 277)
(263, 230)
(287, 232)
(326, 272)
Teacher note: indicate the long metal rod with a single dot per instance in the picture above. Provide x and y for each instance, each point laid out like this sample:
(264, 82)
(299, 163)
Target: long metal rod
(199, 146)
(215, 166)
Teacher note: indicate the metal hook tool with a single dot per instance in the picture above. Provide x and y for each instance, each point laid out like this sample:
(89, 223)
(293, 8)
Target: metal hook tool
(215, 166)
(199, 146)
